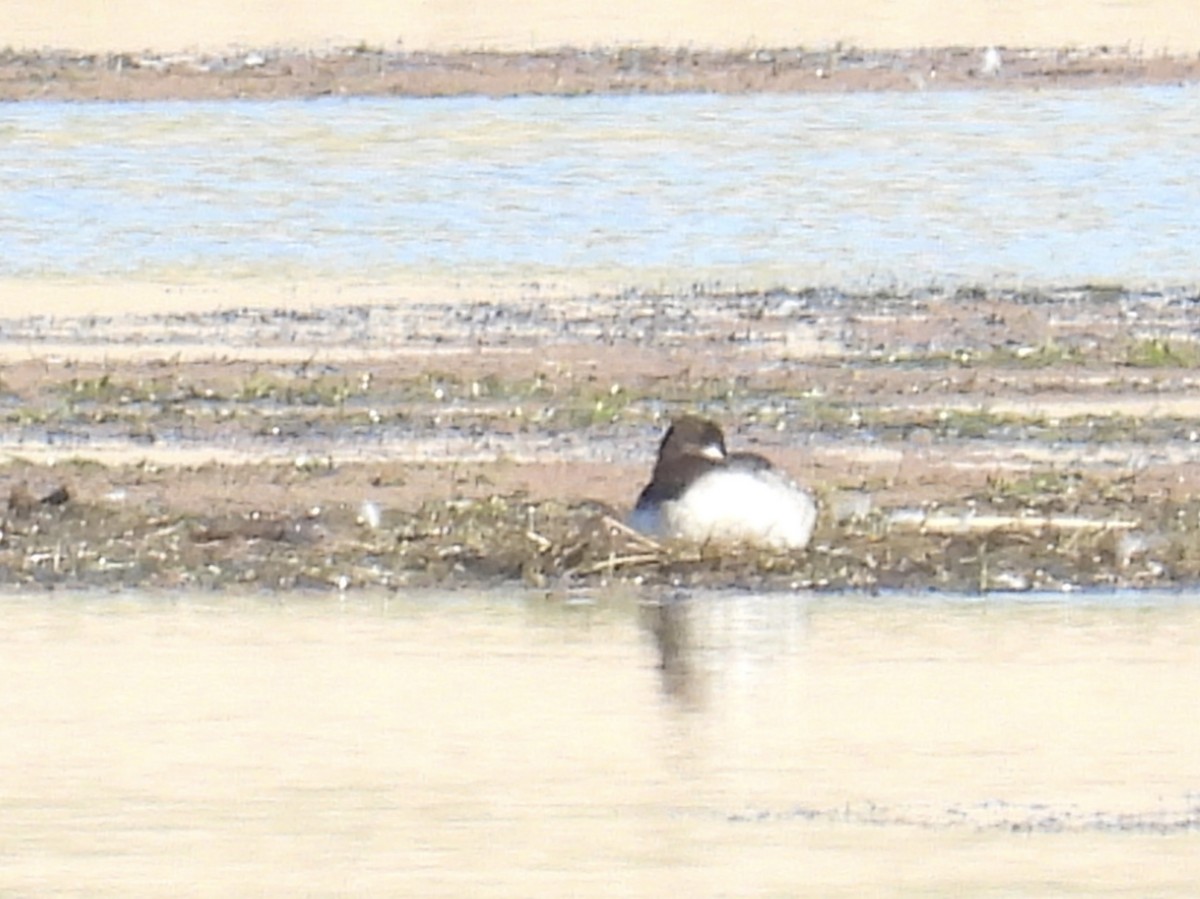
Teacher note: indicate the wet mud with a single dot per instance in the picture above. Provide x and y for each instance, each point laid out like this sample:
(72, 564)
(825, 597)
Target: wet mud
(993, 816)
(371, 71)
(968, 441)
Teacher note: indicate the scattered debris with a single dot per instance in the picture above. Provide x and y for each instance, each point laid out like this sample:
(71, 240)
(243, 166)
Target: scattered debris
(368, 71)
(476, 542)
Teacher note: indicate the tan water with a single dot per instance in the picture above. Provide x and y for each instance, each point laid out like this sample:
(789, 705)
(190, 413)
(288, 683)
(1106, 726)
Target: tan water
(1150, 25)
(514, 746)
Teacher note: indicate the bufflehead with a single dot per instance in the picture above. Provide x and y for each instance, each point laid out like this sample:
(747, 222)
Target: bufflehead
(700, 492)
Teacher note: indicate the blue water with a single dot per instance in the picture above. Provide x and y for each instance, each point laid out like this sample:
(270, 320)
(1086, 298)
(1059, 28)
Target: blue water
(857, 190)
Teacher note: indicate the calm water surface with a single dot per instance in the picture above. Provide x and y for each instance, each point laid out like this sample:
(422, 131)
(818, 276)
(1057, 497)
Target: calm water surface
(506, 745)
(853, 191)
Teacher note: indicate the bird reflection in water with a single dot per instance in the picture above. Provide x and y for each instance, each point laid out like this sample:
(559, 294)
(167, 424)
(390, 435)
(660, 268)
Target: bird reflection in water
(668, 620)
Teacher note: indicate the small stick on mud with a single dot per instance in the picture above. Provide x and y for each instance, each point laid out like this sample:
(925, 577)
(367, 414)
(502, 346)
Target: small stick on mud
(612, 563)
(636, 536)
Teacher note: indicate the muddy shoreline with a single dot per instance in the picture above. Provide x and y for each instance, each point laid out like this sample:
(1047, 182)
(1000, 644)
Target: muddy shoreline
(978, 440)
(365, 71)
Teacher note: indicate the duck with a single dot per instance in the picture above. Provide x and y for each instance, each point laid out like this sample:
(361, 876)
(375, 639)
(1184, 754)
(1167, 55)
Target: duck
(702, 493)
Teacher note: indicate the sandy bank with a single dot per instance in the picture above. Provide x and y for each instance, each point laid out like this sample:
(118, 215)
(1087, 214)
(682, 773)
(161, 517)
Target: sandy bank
(364, 71)
(134, 49)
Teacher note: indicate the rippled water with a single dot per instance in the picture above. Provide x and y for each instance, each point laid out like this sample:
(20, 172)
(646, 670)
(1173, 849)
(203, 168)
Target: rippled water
(855, 190)
(510, 745)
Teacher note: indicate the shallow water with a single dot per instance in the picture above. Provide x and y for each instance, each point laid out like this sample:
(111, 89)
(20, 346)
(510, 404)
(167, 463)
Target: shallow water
(857, 190)
(506, 744)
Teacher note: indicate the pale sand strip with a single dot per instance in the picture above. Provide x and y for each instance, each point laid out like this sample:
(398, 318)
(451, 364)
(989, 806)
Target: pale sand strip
(1058, 408)
(1148, 26)
(112, 296)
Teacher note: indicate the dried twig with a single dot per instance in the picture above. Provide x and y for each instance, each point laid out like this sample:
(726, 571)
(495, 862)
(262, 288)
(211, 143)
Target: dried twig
(637, 536)
(949, 525)
(612, 563)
